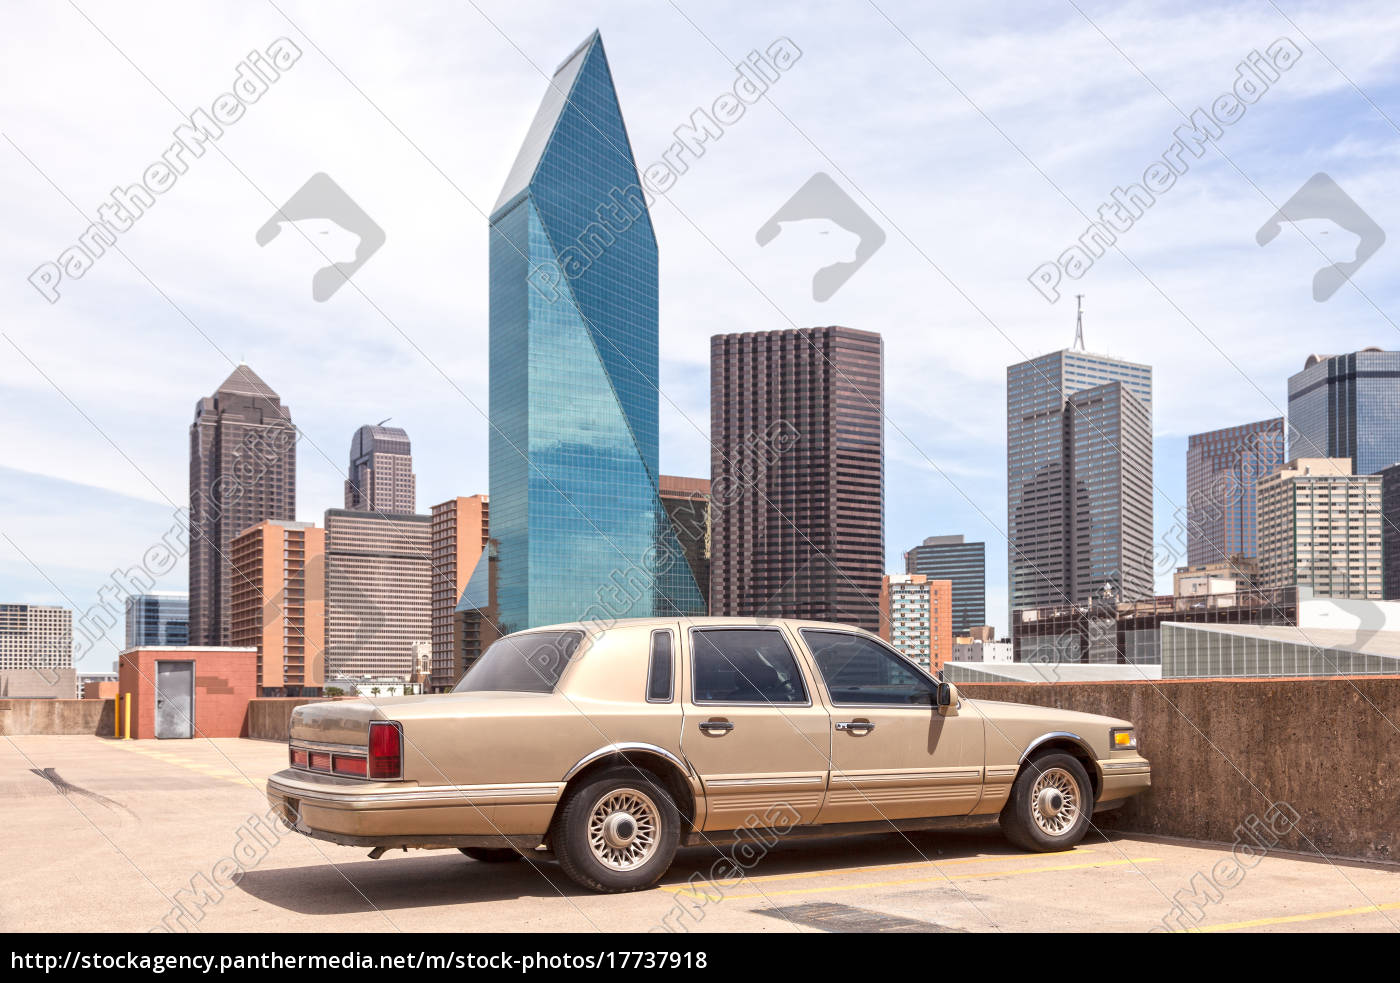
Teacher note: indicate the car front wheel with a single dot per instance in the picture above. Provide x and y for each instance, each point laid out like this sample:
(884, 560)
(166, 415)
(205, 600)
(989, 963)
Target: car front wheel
(618, 831)
(1050, 805)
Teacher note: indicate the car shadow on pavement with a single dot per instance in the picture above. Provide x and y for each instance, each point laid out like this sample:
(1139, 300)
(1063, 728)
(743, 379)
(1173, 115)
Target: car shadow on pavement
(421, 879)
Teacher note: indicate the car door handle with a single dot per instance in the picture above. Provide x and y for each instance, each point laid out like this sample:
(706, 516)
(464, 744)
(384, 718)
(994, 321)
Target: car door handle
(716, 726)
(864, 726)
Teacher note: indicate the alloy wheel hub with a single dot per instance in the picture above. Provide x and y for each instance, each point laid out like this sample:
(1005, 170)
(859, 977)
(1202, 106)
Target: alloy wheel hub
(1055, 802)
(1050, 803)
(619, 829)
(624, 829)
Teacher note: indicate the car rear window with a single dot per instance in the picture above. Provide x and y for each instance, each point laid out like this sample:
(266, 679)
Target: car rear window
(744, 665)
(531, 662)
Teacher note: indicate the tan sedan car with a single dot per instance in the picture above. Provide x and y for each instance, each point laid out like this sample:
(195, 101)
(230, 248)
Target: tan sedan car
(608, 746)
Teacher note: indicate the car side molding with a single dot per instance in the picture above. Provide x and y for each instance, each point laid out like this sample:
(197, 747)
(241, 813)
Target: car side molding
(1058, 735)
(628, 748)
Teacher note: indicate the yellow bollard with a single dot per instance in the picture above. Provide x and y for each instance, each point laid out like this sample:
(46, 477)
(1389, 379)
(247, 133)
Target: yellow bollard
(127, 726)
(117, 716)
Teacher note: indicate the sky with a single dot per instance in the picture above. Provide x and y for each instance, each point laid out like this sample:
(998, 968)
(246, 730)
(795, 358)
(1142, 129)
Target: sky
(980, 138)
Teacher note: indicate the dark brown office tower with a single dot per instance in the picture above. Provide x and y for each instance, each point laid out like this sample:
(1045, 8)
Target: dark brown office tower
(243, 469)
(797, 465)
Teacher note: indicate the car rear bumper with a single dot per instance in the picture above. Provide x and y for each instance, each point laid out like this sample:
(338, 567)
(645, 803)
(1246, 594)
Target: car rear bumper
(395, 813)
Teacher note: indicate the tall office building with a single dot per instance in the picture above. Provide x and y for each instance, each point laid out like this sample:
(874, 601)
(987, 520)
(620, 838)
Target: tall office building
(279, 604)
(1320, 527)
(1223, 471)
(157, 618)
(381, 472)
(1079, 479)
(378, 592)
(460, 532)
(964, 565)
(797, 475)
(243, 463)
(687, 504)
(1347, 406)
(916, 617)
(35, 636)
(1390, 531)
(575, 510)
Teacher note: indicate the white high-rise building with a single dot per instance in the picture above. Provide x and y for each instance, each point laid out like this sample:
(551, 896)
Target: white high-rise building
(35, 636)
(1320, 527)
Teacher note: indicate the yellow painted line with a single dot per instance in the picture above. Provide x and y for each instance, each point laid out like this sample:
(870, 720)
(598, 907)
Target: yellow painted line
(918, 880)
(912, 865)
(218, 771)
(1310, 917)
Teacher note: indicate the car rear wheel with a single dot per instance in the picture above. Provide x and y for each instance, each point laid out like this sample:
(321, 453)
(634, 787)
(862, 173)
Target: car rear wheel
(490, 854)
(1050, 805)
(617, 831)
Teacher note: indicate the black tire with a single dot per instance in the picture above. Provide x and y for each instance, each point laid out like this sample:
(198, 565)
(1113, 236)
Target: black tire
(490, 854)
(1063, 775)
(655, 811)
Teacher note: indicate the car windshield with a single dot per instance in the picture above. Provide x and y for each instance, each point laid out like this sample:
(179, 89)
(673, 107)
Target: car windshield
(531, 662)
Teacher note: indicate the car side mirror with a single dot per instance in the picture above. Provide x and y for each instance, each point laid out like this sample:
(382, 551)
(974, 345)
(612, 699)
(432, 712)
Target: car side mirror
(946, 699)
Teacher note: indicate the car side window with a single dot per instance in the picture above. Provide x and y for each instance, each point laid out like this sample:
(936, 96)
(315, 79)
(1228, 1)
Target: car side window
(859, 671)
(744, 665)
(660, 669)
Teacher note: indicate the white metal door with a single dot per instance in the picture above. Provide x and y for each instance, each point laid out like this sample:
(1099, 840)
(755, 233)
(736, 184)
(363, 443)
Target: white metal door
(174, 699)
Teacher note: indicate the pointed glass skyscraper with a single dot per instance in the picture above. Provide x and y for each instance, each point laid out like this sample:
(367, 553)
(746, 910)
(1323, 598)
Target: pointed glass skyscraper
(575, 512)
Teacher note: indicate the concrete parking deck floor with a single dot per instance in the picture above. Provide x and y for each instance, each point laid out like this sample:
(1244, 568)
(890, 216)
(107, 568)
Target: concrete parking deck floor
(103, 835)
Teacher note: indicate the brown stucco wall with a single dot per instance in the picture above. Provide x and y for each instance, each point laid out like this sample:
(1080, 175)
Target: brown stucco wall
(1223, 750)
(55, 717)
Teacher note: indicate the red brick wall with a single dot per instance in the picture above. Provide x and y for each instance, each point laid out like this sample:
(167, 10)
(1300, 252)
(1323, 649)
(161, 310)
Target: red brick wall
(224, 681)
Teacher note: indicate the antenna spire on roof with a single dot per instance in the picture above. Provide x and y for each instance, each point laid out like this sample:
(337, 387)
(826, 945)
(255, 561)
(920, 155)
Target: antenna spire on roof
(1079, 324)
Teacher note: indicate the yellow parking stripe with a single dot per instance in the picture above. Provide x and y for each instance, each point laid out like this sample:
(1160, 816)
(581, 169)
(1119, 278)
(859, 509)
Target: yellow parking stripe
(878, 868)
(1310, 917)
(217, 770)
(981, 875)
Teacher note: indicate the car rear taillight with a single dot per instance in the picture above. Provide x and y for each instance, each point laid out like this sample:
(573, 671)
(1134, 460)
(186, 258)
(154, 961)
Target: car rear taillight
(385, 750)
(299, 758)
(320, 760)
(349, 766)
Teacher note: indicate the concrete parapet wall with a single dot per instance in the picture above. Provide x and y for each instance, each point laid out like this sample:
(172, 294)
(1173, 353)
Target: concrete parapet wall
(270, 717)
(1226, 750)
(19, 717)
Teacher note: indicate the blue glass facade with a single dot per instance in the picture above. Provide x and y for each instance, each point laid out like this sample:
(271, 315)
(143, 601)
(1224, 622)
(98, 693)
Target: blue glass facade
(575, 511)
(157, 619)
(1347, 406)
(1223, 471)
(965, 565)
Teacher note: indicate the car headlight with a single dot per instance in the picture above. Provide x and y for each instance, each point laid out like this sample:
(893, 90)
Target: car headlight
(1122, 739)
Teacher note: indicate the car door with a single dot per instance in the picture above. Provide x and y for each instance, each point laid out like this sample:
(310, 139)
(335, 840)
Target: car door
(752, 730)
(893, 755)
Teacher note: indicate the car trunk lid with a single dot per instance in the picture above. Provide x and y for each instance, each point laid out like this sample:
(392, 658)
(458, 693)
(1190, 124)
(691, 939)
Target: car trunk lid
(337, 722)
